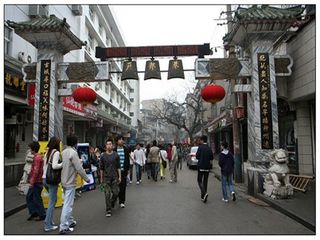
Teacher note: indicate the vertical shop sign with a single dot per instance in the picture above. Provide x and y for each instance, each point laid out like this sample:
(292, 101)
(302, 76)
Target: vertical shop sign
(44, 101)
(31, 94)
(265, 101)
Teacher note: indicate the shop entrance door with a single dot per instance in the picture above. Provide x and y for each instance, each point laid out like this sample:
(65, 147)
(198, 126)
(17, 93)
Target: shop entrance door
(10, 132)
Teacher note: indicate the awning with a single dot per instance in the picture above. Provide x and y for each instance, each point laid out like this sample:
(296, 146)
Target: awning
(211, 126)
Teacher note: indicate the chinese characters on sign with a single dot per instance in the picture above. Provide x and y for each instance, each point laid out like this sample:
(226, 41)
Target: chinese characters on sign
(44, 101)
(14, 83)
(265, 101)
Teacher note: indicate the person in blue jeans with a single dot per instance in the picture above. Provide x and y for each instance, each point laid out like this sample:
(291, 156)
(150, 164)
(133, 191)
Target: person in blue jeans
(226, 163)
(52, 157)
(71, 166)
(33, 198)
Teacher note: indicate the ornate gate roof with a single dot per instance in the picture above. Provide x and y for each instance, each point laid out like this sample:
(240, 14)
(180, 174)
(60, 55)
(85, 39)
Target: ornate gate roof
(259, 20)
(47, 29)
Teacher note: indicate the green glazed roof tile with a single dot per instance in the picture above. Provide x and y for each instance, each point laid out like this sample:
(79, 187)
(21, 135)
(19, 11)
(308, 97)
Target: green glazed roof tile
(50, 23)
(266, 12)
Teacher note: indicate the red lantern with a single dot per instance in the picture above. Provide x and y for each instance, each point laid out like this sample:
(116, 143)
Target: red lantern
(84, 95)
(213, 93)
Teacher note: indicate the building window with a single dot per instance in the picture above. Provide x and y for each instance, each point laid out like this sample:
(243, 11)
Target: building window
(100, 30)
(131, 114)
(106, 88)
(112, 93)
(7, 40)
(90, 42)
(91, 14)
(108, 42)
(131, 90)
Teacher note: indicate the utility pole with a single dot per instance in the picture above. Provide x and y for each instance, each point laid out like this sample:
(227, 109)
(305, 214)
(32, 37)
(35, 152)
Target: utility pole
(235, 121)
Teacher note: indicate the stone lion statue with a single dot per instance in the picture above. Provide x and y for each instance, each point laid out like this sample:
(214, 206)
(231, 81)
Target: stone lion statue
(276, 181)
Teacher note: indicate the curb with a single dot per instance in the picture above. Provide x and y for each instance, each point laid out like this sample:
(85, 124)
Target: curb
(288, 213)
(12, 211)
(284, 211)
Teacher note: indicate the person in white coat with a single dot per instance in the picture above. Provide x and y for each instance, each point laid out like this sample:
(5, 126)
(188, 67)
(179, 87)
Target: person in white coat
(163, 162)
(140, 160)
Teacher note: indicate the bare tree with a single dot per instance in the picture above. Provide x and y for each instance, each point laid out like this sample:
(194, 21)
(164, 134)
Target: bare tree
(184, 115)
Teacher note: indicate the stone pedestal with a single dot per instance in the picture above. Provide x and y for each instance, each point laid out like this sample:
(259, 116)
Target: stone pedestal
(282, 192)
(255, 180)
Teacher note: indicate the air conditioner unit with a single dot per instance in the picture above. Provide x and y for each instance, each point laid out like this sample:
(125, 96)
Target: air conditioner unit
(76, 9)
(22, 57)
(38, 10)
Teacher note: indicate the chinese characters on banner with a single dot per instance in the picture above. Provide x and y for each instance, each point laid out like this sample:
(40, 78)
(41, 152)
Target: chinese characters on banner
(44, 101)
(265, 101)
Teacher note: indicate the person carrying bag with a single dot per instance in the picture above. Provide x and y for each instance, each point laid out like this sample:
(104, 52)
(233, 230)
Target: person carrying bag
(53, 176)
(51, 179)
(163, 165)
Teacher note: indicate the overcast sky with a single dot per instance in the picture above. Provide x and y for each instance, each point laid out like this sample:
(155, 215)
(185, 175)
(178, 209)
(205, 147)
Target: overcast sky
(152, 25)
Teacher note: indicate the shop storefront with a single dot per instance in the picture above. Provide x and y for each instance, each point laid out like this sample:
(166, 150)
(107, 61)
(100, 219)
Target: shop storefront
(18, 116)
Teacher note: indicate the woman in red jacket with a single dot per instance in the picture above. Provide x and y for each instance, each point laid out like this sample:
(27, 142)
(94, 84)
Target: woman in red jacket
(34, 200)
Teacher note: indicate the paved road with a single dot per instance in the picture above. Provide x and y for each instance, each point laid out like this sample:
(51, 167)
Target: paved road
(165, 208)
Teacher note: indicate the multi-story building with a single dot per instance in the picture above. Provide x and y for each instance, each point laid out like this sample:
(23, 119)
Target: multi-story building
(154, 129)
(116, 109)
(295, 93)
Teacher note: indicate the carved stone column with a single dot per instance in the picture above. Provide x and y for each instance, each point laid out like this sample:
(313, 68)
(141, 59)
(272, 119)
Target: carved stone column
(257, 153)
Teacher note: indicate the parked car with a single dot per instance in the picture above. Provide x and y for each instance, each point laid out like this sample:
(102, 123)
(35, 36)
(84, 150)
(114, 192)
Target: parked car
(192, 161)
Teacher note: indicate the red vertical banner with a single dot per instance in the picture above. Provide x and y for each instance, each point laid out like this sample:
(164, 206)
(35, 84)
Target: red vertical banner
(31, 94)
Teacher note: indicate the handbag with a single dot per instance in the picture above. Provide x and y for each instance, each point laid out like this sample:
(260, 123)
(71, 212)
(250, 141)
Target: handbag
(53, 176)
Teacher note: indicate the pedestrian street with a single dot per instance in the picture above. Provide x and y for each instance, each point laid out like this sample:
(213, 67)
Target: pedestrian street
(167, 208)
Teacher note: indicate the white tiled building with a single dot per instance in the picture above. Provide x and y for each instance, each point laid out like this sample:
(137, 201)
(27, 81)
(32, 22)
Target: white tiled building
(117, 107)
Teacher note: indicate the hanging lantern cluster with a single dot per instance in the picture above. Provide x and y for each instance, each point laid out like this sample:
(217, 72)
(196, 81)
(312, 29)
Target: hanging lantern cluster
(84, 95)
(213, 93)
(152, 69)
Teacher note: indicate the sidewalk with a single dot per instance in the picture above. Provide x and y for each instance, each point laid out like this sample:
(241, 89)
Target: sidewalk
(301, 207)
(13, 201)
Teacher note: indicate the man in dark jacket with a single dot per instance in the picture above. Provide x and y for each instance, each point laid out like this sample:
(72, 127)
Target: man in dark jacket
(204, 156)
(123, 153)
(226, 163)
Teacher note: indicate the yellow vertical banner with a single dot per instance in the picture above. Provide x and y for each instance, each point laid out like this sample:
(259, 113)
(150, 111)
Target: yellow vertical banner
(43, 147)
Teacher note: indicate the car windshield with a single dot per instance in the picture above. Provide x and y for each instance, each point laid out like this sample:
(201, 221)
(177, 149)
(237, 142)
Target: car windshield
(194, 150)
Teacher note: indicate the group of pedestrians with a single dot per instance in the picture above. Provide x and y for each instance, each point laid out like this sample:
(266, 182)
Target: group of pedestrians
(158, 159)
(70, 166)
(226, 162)
(114, 167)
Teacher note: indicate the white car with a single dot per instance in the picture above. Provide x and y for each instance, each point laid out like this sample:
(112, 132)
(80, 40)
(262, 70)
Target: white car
(192, 161)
